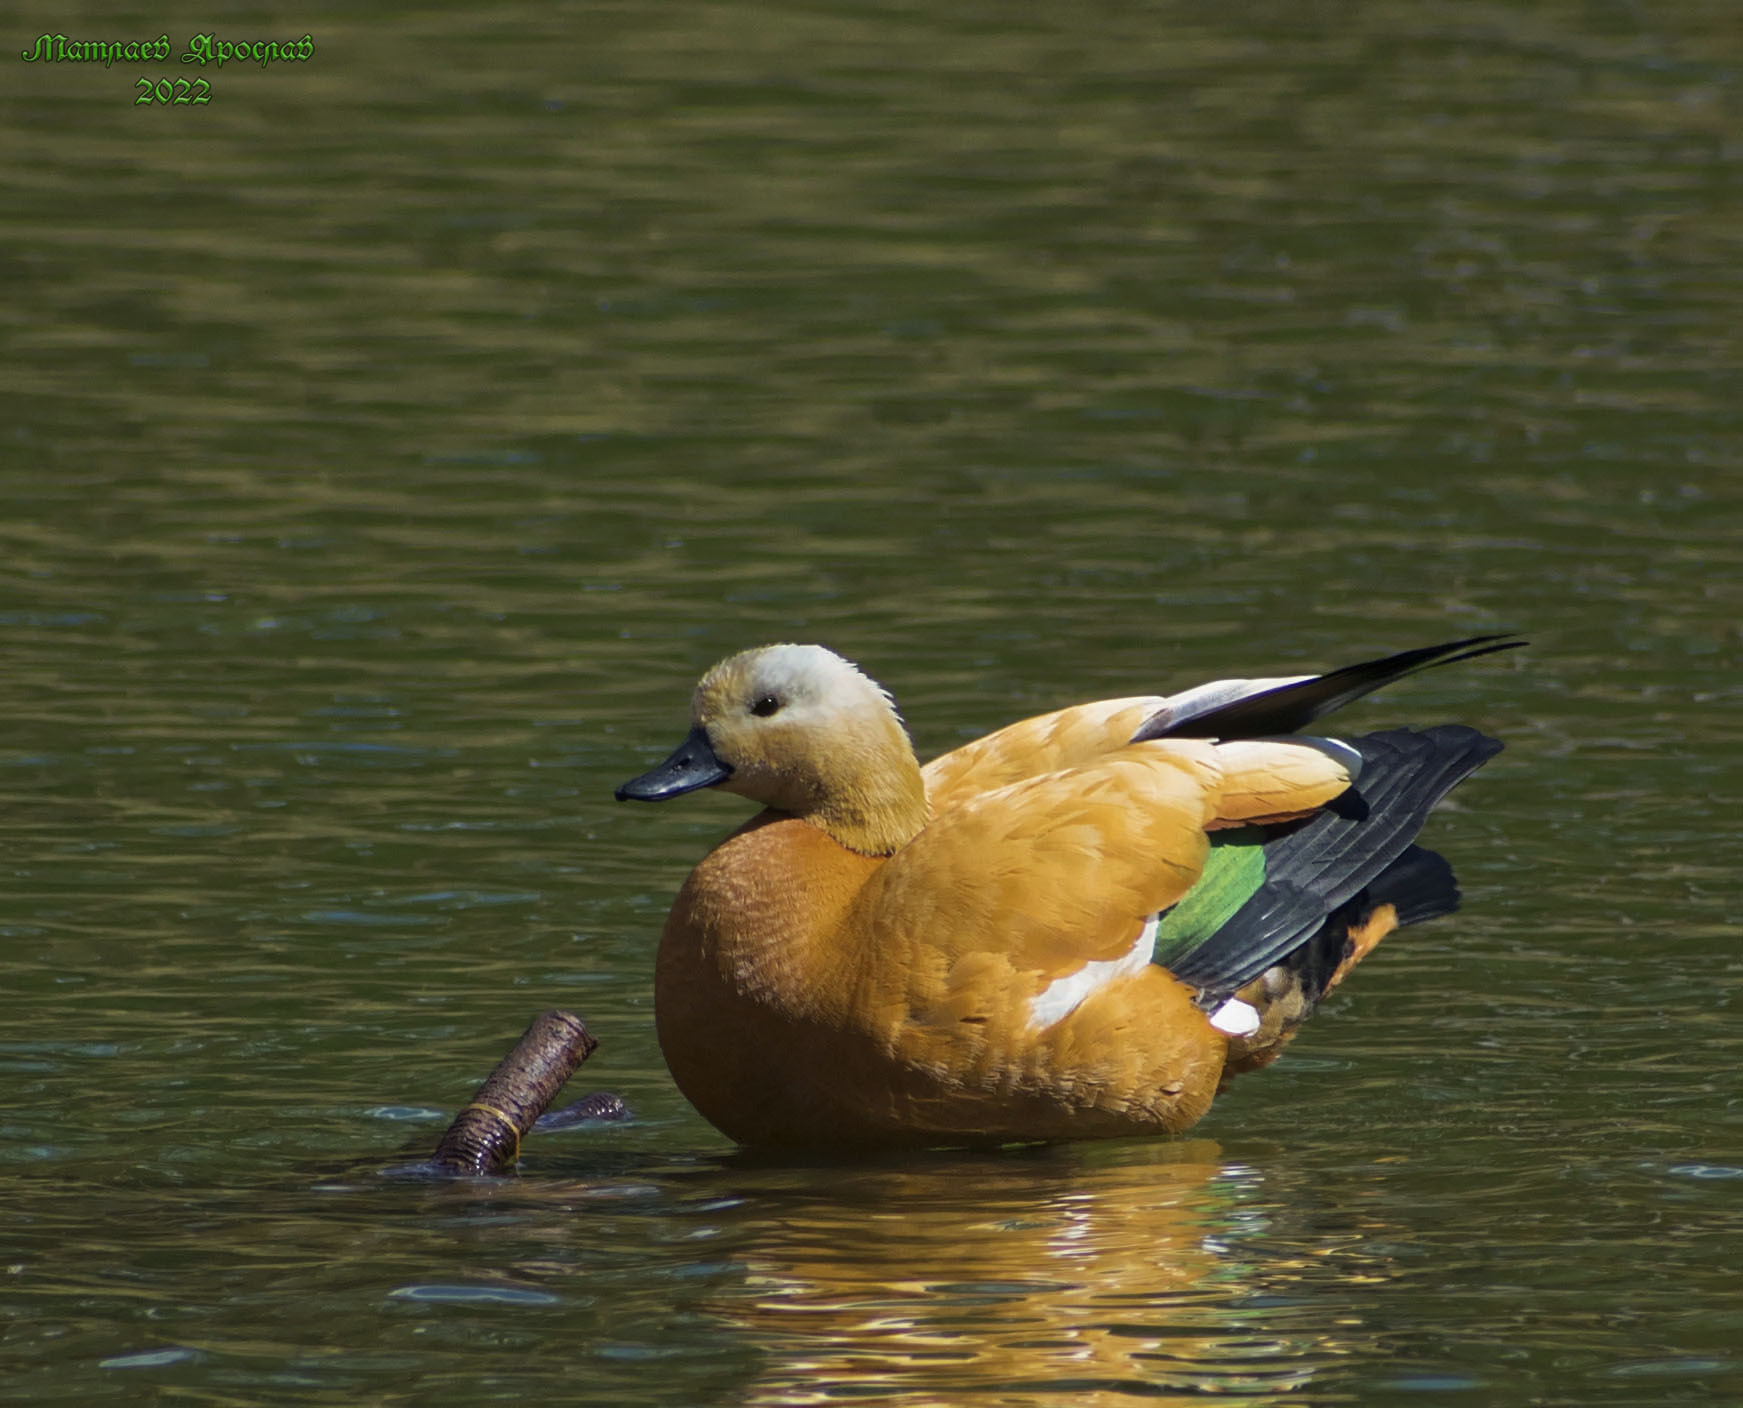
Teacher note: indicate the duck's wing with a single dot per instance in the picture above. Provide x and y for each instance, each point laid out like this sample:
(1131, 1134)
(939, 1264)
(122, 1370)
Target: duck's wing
(1031, 882)
(1047, 743)
(1269, 888)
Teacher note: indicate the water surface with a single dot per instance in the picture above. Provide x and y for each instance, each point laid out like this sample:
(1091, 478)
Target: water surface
(389, 443)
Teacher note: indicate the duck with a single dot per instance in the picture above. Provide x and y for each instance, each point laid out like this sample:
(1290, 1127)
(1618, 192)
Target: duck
(1082, 925)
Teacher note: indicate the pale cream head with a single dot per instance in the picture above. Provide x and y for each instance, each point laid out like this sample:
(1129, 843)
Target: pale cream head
(807, 732)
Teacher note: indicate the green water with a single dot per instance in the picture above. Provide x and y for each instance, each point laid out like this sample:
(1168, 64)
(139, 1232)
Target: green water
(388, 444)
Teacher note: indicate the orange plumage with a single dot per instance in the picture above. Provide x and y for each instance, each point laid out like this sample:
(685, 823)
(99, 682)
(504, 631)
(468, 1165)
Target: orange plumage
(974, 951)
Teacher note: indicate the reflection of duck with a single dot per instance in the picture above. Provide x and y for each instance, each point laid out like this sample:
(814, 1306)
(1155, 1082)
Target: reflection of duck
(1047, 1277)
(1078, 925)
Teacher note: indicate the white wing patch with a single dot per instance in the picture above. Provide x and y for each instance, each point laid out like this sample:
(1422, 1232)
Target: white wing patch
(1063, 996)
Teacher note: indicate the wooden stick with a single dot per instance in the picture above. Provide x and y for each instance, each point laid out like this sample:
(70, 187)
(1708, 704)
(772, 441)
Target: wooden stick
(485, 1136)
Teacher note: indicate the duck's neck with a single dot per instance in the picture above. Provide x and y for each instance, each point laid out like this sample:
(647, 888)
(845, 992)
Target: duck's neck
(869, 794)
(875, 814)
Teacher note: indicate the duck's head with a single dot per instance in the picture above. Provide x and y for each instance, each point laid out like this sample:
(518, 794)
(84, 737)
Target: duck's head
(803, 731)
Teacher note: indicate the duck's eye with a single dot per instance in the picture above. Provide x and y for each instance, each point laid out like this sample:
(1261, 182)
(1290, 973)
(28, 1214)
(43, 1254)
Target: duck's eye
(765, 706)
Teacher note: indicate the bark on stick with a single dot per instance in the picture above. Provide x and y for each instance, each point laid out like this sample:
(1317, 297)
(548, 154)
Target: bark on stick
(485, 1136)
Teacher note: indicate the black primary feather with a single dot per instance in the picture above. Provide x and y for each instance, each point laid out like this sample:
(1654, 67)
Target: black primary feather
(1290, 708)
(1361, 841)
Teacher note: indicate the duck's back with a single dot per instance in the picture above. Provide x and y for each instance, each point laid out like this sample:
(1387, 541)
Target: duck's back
(1065, 738)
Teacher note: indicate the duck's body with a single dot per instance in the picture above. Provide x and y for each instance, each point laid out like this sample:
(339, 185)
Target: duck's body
(1077, 926)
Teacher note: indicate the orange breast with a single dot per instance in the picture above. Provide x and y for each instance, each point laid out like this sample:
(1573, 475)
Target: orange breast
(752, 992)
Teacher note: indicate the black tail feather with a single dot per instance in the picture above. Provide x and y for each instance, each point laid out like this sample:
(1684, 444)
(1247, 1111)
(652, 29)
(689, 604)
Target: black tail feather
(1419, 885)
(1290, 708)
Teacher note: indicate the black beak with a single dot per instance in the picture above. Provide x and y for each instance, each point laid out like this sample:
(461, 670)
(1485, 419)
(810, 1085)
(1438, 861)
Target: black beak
(693, 765)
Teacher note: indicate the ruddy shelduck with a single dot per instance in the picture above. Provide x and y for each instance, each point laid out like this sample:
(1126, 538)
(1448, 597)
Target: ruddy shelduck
(1081, 925)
